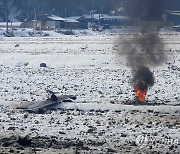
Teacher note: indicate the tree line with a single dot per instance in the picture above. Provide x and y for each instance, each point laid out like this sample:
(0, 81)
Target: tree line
(28, 8)
(134, 8)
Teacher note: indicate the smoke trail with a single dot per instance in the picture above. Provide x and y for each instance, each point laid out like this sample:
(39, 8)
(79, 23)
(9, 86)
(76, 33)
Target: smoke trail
(146, 48)
(143, 51)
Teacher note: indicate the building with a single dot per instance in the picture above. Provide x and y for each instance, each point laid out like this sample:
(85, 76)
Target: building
(83, 22)
(47, 22)
(104, 20)
(117, 21)
(172, 16)
(70, 23)
(177, 28)
(44, 22)
(11, 25)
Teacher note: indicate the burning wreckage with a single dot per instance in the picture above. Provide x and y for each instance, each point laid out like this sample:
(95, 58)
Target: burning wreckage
(142, 80)
(49, 103)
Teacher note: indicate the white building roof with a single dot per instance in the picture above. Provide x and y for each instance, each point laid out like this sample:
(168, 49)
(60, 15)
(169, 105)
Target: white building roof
(53, 17)
(71, 20)
(178, 26)
(115, 17)
(177, 14)
(73, 17)
(13, 23)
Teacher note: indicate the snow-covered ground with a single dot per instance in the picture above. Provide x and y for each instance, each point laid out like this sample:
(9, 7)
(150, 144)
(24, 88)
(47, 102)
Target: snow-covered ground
(90, 68)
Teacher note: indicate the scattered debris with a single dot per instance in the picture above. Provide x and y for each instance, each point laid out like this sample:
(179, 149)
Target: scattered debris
(24, 141)
(43, 65)
(42, 106)
(17, 45)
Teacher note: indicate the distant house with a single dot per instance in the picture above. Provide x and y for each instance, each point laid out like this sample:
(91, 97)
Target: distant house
(106, 20)
(44, 22)
(94, 18)
(173, 16)
(48, 22)
(11, 25)
(75, 22)
(70, 23)
(177, 28)
(83, 22)
(117, 21)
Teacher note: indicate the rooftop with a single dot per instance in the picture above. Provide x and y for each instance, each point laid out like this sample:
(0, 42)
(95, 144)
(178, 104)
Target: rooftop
(53, 17)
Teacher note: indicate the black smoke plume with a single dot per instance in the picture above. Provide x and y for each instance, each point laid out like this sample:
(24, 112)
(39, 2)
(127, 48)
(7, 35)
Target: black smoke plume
(145, 48)
(143, 78)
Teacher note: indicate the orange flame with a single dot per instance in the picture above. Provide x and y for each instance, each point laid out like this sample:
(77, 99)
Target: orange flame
(140, 94)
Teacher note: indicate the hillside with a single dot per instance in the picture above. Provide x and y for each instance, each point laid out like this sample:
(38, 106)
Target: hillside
(22, 9)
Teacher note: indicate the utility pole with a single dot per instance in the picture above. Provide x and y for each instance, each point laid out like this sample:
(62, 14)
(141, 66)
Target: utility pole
(65, 19)
(6, 14)
(35, 21)
(92, 18)
(92, 14)
(99, 21)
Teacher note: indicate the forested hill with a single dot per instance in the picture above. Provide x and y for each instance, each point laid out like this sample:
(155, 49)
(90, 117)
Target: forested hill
(23, 9)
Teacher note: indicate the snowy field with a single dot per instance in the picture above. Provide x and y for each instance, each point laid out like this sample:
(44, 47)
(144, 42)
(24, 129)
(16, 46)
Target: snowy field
(98, 122)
